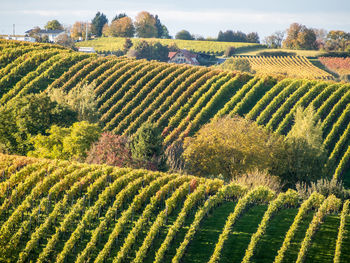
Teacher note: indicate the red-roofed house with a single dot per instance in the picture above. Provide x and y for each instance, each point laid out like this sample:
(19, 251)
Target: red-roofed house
(183, 57)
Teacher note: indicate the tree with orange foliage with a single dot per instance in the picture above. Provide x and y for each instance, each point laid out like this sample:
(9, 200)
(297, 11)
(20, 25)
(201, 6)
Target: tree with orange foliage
(145, 25)
(300, 37)
(78, 30)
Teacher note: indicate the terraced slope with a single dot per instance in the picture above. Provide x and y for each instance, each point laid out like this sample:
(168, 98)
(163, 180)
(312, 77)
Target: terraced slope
(56, 211)
(181, 98)
(293, 67)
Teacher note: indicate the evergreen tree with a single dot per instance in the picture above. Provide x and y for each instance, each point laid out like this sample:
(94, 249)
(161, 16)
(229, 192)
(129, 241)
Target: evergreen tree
(98, 23)
(159, 27)
(147, 145)
(119, 16)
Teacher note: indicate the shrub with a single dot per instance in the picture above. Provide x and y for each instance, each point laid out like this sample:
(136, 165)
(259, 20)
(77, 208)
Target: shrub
(230, 51)
(276, 53)
(323, 186)
(240, 64)
(111, 149)
(66, 143)
(259, 178)
(231, 147)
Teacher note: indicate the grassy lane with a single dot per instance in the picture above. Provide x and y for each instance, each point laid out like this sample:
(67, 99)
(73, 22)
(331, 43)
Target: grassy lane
(179, 236)
(273, 238)
(345, 252)
(202, 246)
(243, 229)
(159, 240)
(292, 253)
(323, 246)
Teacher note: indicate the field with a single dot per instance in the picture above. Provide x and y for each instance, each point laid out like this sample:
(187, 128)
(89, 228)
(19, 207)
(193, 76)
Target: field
(341, 66)
(58, 211)
(298, 52)
(291, 66)
(107, 44)
(179, 99)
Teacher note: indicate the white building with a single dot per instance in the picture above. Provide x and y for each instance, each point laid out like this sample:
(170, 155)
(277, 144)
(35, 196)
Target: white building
(51, 34)
(20, 38)
(87, 49)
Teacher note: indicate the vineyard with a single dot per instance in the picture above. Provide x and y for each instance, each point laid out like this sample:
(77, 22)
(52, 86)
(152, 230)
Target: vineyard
(341, 66)
(291, 66)
(179, 99)
(57, 211)
(109, 44)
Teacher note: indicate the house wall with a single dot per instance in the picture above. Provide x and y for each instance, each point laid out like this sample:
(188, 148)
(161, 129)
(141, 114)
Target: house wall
(179, 58)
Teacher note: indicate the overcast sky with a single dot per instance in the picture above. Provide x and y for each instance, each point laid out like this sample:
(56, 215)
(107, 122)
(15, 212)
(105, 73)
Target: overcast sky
(202, 17)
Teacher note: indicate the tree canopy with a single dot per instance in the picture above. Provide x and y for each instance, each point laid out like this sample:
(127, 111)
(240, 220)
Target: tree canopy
(27, 117)
(145, 25)
(98, 23)
(122, 27)
(149, 51)
(231, 147)
(53, 25)
(78, 30)
(184, 34)
(300, 37)
(70, 143)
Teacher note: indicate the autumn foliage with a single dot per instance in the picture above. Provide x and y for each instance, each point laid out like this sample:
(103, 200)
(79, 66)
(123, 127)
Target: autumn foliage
(339, 65)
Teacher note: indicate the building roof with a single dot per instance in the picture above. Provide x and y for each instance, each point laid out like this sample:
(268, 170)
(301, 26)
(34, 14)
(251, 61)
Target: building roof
(171, 54)
(44, 31)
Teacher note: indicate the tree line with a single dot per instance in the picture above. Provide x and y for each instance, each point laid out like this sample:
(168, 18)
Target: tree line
(299, 36)
(147, 25)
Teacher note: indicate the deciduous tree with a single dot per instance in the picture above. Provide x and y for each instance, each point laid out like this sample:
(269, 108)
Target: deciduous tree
(145, 25)
(305, 155)
(274, 40)
(66, 143)
(122, 27)
(231, 147)
(253, 37)
(300, 37)
(79, 29)
(184, 34)
(27, 117)
(53, 25)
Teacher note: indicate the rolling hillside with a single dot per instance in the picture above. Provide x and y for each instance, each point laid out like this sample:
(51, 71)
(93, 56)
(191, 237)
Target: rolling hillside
(179, 98)
(108, 44)
(57, 211)
(290, 66)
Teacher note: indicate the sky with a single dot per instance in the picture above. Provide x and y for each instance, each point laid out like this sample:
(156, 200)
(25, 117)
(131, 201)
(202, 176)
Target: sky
(202, 17)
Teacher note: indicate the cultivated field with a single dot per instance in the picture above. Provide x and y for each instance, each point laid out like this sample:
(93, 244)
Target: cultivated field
(58, 211)
(107, 44)
(341, 66)
(179, 99)
(291, 66)
(298, 52)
